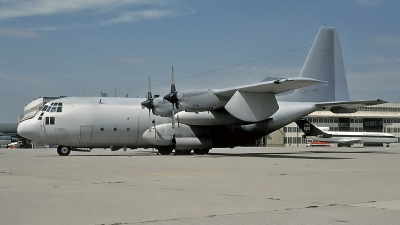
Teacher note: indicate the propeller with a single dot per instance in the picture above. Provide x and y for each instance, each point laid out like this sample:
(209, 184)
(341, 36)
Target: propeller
(148, 103)
(172, 97)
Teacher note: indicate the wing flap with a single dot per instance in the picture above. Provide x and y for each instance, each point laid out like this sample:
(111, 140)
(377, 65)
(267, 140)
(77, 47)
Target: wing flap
(276, 87)
(346, 141)
(347, 106)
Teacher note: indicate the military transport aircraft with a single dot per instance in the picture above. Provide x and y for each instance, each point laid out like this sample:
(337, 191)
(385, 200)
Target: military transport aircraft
(343, 138)
(198, 119)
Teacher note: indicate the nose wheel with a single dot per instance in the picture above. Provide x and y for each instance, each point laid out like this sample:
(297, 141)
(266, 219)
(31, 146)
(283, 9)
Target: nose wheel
(63, 150)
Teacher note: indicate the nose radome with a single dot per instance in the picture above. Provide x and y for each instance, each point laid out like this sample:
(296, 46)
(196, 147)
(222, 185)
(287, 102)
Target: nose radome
(29, 129)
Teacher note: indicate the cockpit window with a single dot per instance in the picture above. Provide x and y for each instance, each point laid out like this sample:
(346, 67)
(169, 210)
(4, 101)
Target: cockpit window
(53, 107)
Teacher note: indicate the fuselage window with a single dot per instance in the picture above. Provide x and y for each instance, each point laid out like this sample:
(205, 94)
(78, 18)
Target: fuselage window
(115, 129)
(101, 129)
(127, 129)
(40, 118)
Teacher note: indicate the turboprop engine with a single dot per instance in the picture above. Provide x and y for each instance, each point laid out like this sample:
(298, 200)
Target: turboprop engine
(162, 107)
(181, 138)
(199, 100)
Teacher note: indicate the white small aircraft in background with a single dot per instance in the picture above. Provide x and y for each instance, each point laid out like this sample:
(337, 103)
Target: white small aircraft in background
(341, 137)
(8, 133)
(206, 118)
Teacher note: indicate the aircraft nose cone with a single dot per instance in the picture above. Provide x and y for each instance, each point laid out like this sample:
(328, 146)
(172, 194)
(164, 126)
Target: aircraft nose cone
(29, 129)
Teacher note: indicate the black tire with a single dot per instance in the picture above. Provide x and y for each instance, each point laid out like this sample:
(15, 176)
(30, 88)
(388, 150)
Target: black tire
(63, 150)
(201, 151)
(165, 151)
(180, 152)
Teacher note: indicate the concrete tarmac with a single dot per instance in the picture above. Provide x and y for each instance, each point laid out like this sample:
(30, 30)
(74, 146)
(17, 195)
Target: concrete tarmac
(229, 186)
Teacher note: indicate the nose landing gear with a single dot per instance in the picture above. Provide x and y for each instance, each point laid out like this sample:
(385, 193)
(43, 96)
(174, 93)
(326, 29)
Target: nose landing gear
(63, 150)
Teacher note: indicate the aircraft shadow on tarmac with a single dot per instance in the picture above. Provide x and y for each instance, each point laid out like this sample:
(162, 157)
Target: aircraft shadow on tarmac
(300, 154)
(289, 155)
(292, 155)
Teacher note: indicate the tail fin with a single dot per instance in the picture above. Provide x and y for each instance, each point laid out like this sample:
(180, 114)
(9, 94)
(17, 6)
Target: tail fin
(308, 128)
(324, 62)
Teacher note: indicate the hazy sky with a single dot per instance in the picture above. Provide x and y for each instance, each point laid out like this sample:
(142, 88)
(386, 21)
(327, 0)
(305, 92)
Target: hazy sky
(83, 47)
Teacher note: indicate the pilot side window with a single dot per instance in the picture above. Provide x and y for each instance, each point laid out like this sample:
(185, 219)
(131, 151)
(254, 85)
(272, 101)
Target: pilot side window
(50, 120)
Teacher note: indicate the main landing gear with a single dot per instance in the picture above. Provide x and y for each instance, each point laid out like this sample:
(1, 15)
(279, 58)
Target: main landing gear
(201, 151)
(167, 151)
(63, 150)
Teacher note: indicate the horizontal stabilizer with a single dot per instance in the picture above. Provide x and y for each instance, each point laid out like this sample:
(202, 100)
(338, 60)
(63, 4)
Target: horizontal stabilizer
(276, 87)
(251, 106)
(348, 106)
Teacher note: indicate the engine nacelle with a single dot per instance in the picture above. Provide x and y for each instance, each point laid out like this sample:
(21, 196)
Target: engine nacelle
(210, 118)
(163, 107)
(324, 135)
(199, 100)
(182, 137)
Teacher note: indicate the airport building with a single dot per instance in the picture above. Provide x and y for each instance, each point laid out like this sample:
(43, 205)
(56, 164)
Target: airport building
(380, 118)
(33, 107)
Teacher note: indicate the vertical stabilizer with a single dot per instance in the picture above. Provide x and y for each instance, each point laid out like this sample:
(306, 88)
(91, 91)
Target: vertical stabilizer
(341, 89)
(308, 128)
(324, 62)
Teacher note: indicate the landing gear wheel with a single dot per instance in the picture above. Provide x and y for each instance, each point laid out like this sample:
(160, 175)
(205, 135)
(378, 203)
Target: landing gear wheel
(201, 151)
(180, 152)
(63, 150)
(165, 151)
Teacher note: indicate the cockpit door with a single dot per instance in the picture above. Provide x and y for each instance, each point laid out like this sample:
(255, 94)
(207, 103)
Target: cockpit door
(86, 134)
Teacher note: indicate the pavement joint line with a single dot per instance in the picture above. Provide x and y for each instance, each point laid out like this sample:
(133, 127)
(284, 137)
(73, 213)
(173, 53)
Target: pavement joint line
(227, 214)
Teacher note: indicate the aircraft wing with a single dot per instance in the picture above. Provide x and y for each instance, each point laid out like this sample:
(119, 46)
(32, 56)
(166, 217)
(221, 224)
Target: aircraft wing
(347, 106)
(349, 140)
(256, 102)
(276, 87)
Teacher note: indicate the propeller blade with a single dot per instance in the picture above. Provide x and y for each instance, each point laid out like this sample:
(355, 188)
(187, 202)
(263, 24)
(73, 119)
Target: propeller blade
(148, 103)
(172, 95)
